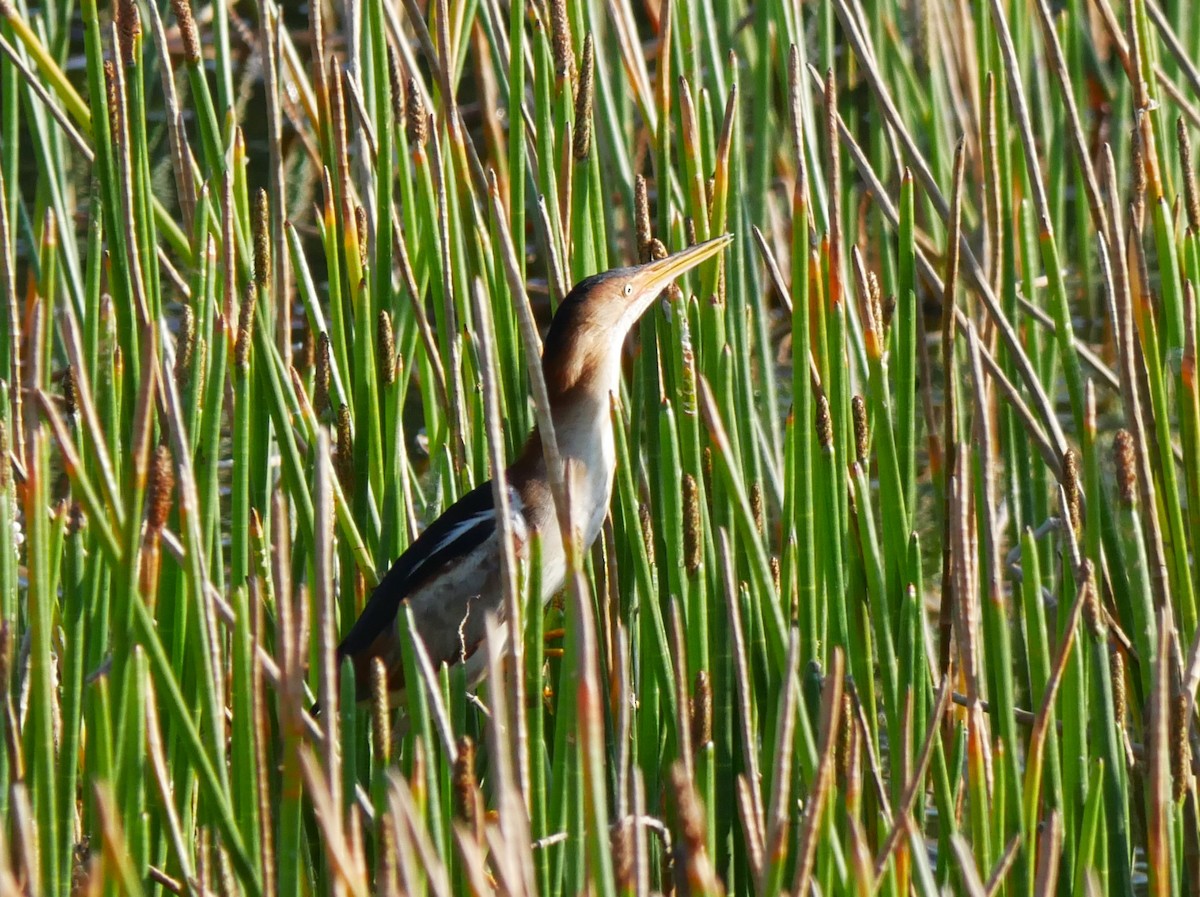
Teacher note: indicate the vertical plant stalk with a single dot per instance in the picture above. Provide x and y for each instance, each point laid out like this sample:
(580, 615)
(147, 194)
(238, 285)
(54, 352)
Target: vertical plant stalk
(270, 30)
(801, 488)
(1116, 277)
(323, 598)
(501, 492)
(950, 443)
(12, 342)
(814, 808)
(1158, 766)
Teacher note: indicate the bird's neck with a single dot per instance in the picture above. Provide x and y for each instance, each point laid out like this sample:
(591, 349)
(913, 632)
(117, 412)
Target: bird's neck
(583, 422)
(582, 417)
(581, 378)
(584, 437)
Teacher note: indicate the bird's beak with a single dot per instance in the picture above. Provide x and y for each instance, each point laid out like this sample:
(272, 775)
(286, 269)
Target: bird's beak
(654, 277)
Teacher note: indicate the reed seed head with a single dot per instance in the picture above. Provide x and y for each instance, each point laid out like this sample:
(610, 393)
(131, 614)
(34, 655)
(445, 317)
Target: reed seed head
(6, 9)
(1093, 613)
(1116, 669)
(1190, 192)
(416, 125)
(187, 30)
(360, 228)
(245, 335)
(702, 711)
(583, 101)
(560, 39)
(323, 373)
(388, 880)
(845, 745)
(756, 506)
(875, 292)
(641, 198)
(395, 85)
(1181, 749)
(1124, 458)
(693, 542)
(647, 524)
(110, 97)
(160, 489)
(262, 241)
(344, 461)
(129, 28)
(861, 435)
(69, 395)
(466, 790)
(824, 423)
(386, 345)
(1071, 487)
(337, 112)
(381, 718)
(1137, 169)
(185, 347)
(657, 249)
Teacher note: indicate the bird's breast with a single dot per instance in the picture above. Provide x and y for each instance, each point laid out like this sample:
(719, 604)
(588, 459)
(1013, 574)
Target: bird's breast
(583, 431)
(596, 476)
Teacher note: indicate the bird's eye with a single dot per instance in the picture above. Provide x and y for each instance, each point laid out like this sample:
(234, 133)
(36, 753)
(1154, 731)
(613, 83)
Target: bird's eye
(628, 289)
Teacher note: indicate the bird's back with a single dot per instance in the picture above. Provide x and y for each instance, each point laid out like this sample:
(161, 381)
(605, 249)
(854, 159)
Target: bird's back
(450, 577)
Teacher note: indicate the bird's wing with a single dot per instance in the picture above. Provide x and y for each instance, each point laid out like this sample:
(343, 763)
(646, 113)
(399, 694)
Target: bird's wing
(464, 526)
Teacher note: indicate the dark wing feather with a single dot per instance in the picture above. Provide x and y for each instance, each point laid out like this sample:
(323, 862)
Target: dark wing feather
(464, 526)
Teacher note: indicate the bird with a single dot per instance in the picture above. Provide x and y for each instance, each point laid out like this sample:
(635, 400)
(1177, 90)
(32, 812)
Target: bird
(450, 575)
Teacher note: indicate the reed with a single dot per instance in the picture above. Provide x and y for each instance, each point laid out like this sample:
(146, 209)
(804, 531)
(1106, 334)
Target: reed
(898, 589)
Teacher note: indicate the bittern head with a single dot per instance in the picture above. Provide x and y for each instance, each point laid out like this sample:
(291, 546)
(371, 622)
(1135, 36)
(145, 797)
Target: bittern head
(583, 346)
